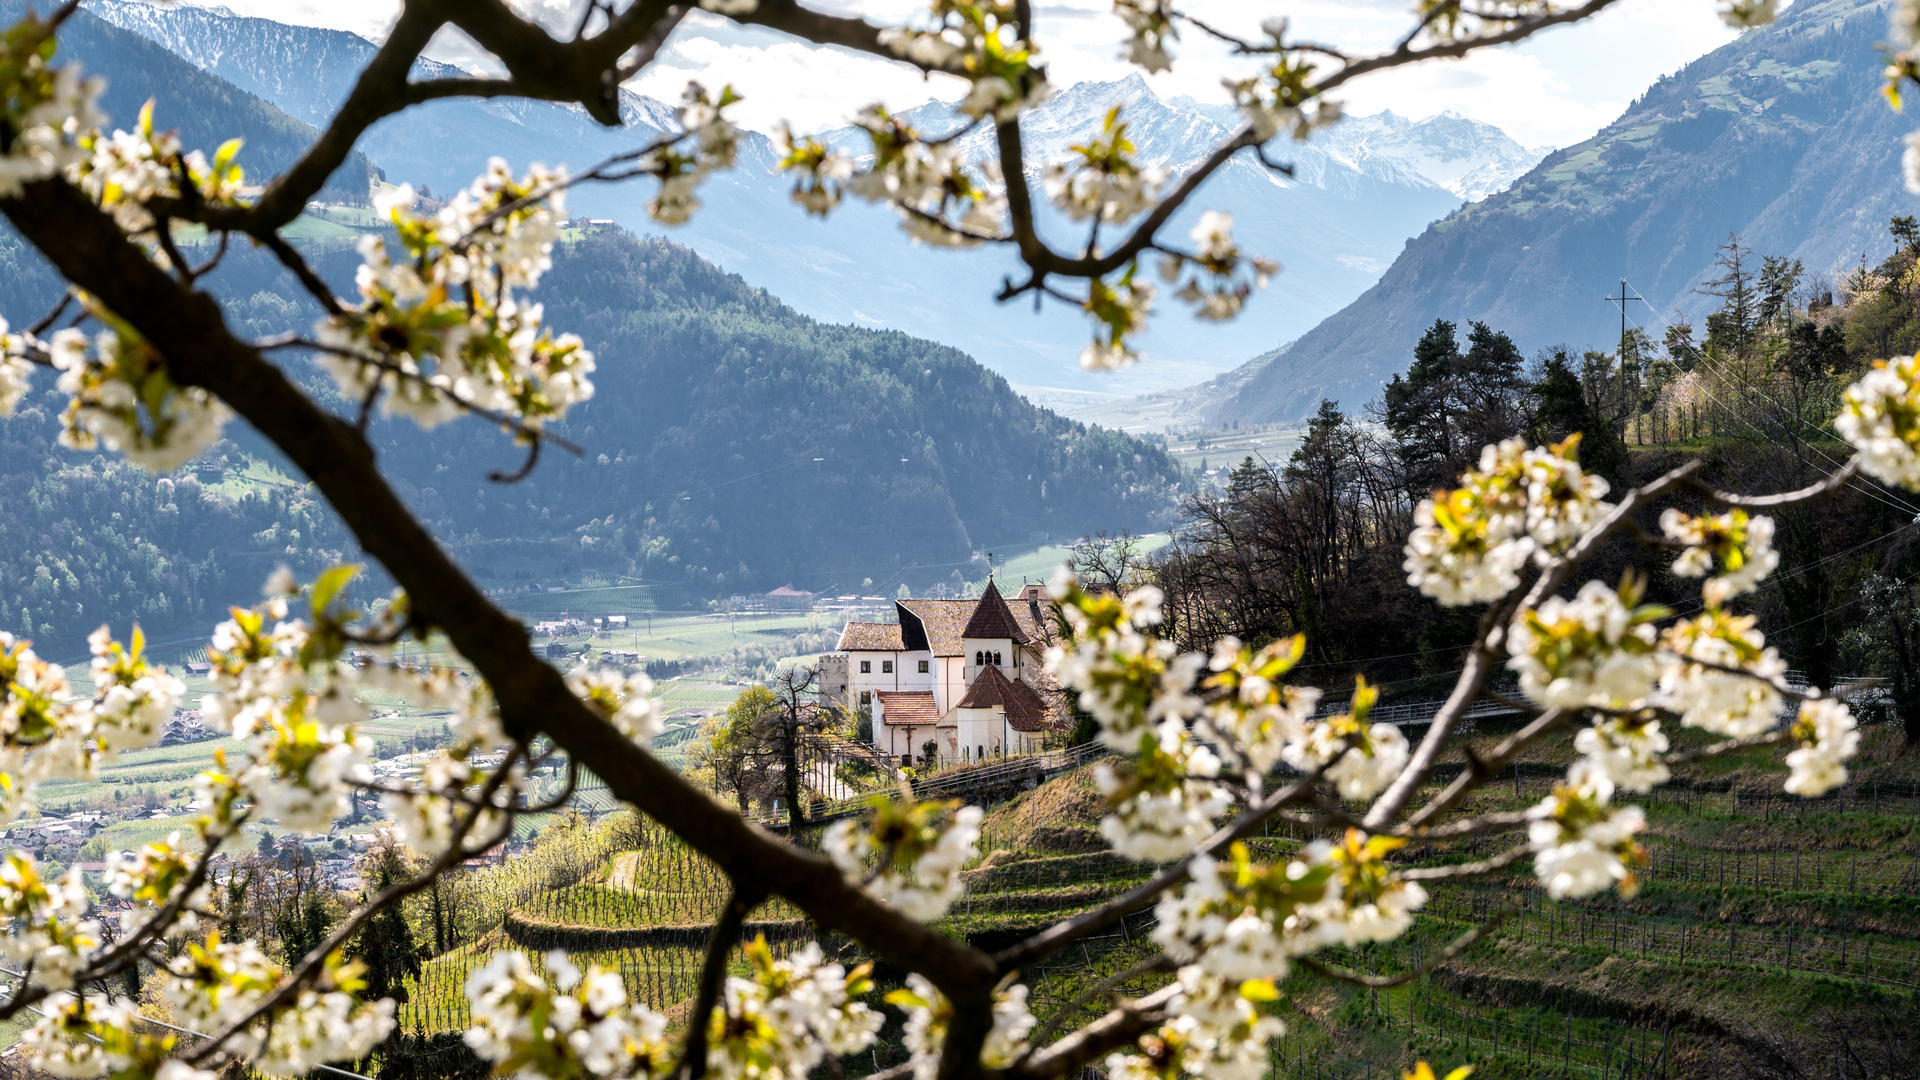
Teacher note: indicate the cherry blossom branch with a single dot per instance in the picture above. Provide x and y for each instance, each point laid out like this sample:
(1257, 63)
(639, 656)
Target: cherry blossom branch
(506, 420)
(1125, 1023)
(1726, 746)
(1480, 769)
(1384, 982)
(1821, 488)
(316, 958)
(1492, 631)
(1068, 931)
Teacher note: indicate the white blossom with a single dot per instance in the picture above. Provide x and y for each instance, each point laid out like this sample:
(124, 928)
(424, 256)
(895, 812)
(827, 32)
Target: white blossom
(1594, 651)
(1880, 415)
(931, 841)
(1828, 736)
(929, 1013)
(1742, 546)
(1581, 843)
(1723, 702)
(625, 701)
(1625, 750)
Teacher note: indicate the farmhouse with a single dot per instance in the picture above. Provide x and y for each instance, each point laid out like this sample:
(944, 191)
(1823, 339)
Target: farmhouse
(965, 675)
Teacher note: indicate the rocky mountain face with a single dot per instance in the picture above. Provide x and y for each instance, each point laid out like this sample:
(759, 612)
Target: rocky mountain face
(1357, 193)
(1780, 137)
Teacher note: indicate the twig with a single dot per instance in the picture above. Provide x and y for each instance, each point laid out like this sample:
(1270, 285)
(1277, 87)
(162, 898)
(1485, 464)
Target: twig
(724, 937)
(316, 959)
(1161, 962)
(1069, 930)
(309, 280)
(1382, 982)
(1466, 870)
(1723, 747)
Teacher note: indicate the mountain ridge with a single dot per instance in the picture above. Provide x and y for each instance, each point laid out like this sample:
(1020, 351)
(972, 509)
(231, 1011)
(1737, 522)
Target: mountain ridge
(1779, 136)
(1358, 216)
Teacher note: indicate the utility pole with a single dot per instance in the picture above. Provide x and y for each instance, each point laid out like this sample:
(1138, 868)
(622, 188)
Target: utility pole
(1623, 300)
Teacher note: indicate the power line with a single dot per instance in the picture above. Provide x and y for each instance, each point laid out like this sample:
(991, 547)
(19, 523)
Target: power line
(1870, 490)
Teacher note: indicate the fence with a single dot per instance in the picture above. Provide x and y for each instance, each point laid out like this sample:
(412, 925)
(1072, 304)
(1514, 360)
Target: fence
(1869, 958)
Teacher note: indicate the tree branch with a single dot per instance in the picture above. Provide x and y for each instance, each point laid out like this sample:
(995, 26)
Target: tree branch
(187, 328)
(713, 972)
(1065, 932)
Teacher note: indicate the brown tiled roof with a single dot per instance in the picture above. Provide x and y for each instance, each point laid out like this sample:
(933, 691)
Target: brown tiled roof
(871, 637)
(908, 708)
(1025, 710)
(935, 624)
(991, 619)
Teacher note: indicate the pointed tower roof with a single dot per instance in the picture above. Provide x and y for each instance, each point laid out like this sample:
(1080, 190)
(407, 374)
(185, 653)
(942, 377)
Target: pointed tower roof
(992, 618)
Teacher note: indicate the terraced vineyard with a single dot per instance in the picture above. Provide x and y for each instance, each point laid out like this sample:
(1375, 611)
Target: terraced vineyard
(1770, 934)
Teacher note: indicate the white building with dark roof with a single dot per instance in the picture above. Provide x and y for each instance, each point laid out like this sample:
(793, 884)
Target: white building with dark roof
(965, 675)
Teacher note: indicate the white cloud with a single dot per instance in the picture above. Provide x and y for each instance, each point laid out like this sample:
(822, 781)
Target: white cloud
(1556, 89)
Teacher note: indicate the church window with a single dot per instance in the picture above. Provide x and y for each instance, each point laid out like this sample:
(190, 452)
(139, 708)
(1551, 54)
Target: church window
(886, 667)
(923, 667)
(866, 667)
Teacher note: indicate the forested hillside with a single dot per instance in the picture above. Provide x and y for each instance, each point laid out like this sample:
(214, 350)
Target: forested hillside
(1781, 136)
(204, 109)
(733, 445)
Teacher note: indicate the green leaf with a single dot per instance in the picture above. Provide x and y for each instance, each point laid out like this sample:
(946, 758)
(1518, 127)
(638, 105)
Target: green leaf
(329, 585)
(224, 156)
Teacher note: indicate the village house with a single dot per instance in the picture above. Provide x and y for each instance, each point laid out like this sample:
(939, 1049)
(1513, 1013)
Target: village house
(964, 675)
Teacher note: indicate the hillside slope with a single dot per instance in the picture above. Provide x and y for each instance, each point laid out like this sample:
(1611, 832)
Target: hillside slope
(1780, 137)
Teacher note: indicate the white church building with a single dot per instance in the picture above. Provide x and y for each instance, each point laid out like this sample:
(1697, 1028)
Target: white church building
(965, 675)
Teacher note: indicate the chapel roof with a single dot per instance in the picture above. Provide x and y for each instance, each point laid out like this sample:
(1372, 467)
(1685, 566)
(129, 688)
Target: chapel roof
(991, 619)
(908, 708)
(1025, 711)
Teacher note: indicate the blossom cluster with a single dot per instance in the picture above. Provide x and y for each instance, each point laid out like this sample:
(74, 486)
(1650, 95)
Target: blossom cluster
(214, 984)
(1720, 675)
(1167, 795)
(1217, 1029)
(788, 1016)
(122, 395)
(125, 171)
(1581, 842)
(1742, 547)
(1243, 920)
(439, 329)
(977, 40)
(1222, 276)
(1150, 28)
(51, 938)
(907, 853)
(1880, 416)
(48, 733)
(625, 701)
(715, 144)
(929, 1014)
(1101, 180)
(1469, 544)
(1828, 736)
(48, 110)
(562, 1023)
(1594, 651)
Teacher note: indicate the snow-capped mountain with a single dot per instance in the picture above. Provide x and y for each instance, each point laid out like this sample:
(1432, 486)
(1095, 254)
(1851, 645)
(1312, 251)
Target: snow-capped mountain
(1357, 193)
